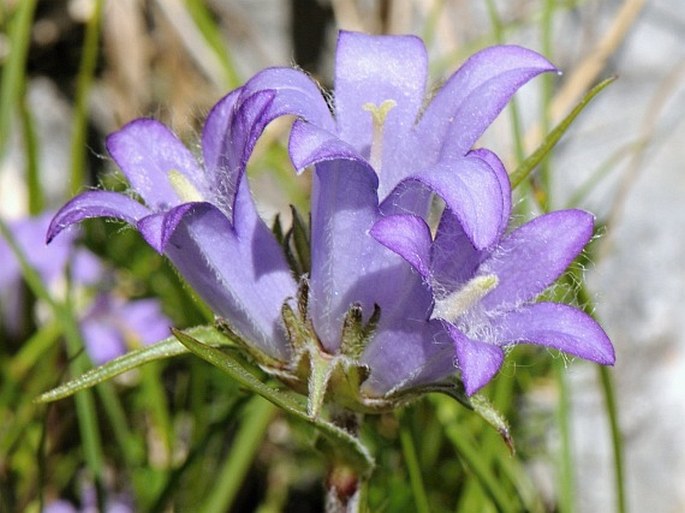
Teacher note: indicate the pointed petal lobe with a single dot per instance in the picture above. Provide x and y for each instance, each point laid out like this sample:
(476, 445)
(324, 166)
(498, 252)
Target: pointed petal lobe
(534, 255)
(560, 327)
(475, 94)
(478, 361)
(96, 204)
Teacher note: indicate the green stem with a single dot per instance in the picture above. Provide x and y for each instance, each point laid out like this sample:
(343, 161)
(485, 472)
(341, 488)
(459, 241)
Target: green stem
(35, 189)
(259, 415)
(616, 437)
(83, 86)
(608, 390)
(85, 405)
(412, 462)
(12, 83)
(566, 480)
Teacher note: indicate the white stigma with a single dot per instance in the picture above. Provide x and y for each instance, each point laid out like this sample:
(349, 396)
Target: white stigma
(456, 304)
(378, 115)
(185, 190)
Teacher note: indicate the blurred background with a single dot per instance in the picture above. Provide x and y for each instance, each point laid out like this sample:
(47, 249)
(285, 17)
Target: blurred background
(75, 70)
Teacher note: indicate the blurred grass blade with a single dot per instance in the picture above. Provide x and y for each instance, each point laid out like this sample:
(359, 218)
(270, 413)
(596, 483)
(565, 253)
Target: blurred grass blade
(247, 441)
(341, 444)
(83, 86)
(165, 349)
(527, 167)
(212, 34)
(480, 405)
(411, 461)
(12, 84)
(464, 444)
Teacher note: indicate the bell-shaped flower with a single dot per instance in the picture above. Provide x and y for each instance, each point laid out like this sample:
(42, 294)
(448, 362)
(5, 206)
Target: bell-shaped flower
(382, 151)
(486, 297)
(202, 218)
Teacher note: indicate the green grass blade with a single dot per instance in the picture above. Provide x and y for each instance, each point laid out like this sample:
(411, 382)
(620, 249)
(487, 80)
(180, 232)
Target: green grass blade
(12, 84)
(259, 414)
(164, 349)
(203, 19)
(83, 86)
(412, 462)
(527, 167)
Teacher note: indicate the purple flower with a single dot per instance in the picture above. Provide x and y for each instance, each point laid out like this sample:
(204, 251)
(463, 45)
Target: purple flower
(485, 298)
(383, 301)
(381, 153)
(202, 218)
(113, 325)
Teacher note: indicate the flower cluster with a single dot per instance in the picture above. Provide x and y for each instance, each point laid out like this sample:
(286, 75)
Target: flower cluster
(388, 304)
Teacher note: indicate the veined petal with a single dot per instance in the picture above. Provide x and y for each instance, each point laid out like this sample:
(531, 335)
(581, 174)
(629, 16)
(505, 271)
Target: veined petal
(478, 361)
(310, 145)
(557, 326)
(240, 279)
(407, 354)
(471, 190)
(373, 69)
(474, 95)
(454, 258)
(147, 151)
(157, 228)
(217, 138)
(529, 260)
(503, 177)
(96, 204)
(295, 94)
(408, 236)
(348, 265)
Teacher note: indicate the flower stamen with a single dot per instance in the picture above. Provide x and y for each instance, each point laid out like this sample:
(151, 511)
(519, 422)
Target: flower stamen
(456, 304)
(378, 114)
(185, 190)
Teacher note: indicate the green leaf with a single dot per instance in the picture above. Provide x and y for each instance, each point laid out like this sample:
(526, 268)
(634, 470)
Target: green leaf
(527, 167)
(342, 445)
(479, 404)
(165, 349)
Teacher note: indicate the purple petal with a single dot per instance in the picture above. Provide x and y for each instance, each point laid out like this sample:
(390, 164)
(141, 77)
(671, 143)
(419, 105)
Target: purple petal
(59, 506)
(295, 94)
(408, 236)
(454, 259)
(503, 177)
(244, 279)
(157, 228)
(103, 341)
(558, 326)
(86, 268)
(146, 151)
(474, 95)
(348, 265)
(534, 255)
(478, 361)
(372, 69)
(410, 353)
(144, 319)
(310, 145)
(96, 204)
(472, 191)
(216, 139)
